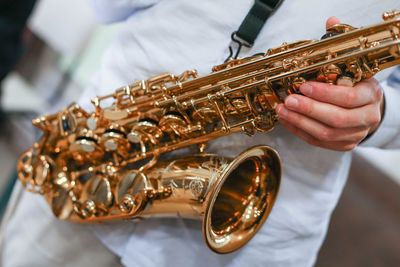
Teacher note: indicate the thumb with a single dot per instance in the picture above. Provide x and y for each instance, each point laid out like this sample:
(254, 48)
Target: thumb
(332, 21)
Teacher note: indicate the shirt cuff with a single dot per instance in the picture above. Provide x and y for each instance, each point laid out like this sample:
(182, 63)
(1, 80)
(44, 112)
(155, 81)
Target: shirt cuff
(390, 124)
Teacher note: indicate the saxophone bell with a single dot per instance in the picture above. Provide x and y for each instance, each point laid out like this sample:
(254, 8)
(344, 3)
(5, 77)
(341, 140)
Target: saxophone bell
(232, 197)
(242, 199)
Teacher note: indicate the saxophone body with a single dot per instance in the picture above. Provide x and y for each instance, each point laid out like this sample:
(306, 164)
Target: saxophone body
(105, 165)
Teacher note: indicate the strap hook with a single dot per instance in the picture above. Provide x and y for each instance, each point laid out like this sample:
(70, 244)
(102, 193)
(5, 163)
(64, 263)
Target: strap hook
(240, 43)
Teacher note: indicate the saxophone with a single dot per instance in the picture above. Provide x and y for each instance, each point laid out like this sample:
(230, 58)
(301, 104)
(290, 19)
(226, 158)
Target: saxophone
(104, 165)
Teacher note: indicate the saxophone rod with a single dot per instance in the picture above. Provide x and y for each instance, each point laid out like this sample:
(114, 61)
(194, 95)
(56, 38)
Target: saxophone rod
(253, 65)
(288, 74)
(273, 78)
(237, 128)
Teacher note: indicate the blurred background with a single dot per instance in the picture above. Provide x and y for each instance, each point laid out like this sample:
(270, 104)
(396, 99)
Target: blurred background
(62, 47)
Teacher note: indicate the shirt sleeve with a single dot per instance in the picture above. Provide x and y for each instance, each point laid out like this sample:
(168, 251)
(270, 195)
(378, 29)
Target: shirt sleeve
(109, 11)
(388, 133)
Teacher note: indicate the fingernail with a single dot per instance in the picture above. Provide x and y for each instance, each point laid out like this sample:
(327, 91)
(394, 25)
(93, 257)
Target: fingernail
(291, 102)
(281, 110)
(306, 89)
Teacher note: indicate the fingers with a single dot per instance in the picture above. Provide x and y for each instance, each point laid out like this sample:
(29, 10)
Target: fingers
(332, 21)
(333, 145)
(332, 116)
(336, 117)
(365, 92)
(321, 131)
(329, 114)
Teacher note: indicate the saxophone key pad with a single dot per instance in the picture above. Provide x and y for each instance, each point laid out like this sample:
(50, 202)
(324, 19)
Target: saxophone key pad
(110, 145)
(83, 145)
(134, 137)
(91, 123)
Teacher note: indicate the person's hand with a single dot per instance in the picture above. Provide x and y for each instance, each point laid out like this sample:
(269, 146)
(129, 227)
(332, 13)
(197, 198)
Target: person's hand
(335, 117)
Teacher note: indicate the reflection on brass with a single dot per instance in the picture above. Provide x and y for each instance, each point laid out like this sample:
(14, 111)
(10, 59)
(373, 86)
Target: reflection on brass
(104, 165)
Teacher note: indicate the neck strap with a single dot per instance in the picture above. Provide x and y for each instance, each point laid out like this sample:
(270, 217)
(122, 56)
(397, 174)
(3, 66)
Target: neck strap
(252, 24)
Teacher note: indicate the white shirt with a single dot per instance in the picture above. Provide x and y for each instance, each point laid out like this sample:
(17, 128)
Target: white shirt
(177, 35)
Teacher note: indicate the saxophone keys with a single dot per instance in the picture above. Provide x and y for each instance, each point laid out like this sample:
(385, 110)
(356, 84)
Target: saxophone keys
(42, 170)
(85, 210)
(131, 204)
(66, 122)
(345, 80)
(340, 28)
(390, 15)
(62, 203)
(114, 139)
(129, 192)
(34, 171)
(332, 72)
(111, 144)
(297, 82)
(249, 131)
(86, 146)
(115, 115)
(205, 114)
(174, 124)
(264, 122)
(134, 137)
(329, 74)
(96, 197)
(91, 123)
(83, 145)
(145, 131)
(62, 180)
(127, 203)
(240, 106)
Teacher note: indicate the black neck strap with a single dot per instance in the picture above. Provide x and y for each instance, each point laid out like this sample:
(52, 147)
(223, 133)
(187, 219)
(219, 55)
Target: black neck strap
(253, 23)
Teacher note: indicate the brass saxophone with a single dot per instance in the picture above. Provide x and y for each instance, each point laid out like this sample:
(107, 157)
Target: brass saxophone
(104, 165)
